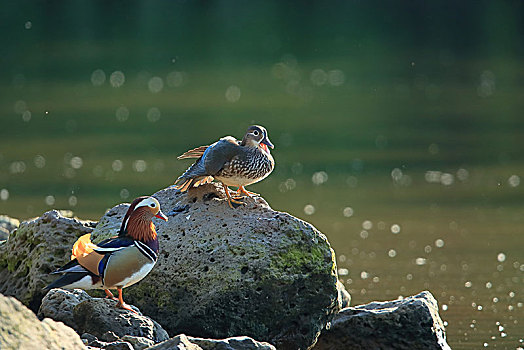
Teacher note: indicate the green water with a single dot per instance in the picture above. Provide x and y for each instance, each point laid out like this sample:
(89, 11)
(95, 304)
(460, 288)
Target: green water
(398, 129)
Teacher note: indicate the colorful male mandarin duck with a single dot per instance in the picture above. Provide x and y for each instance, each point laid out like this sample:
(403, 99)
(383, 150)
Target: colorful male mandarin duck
(117, 262)
(231, 162)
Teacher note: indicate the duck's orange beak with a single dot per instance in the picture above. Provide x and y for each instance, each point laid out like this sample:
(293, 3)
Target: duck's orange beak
(161, 215)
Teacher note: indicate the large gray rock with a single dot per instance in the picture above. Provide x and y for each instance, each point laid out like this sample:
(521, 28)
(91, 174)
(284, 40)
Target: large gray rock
(226, 272)
(21, 330)
(183, 342)
(412, 323)
(98, 317)
(33, 250)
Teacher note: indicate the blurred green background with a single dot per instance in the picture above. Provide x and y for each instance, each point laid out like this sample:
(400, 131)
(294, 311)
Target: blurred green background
(397, 125)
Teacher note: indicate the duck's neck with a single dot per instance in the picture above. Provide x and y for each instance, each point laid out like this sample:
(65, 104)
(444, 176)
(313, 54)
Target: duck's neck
(141, 228)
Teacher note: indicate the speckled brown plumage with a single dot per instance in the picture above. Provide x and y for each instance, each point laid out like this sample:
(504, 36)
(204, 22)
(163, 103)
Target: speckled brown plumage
(230, 161)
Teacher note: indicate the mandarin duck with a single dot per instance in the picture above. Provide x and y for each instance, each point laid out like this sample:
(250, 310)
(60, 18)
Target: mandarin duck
(116, 262)
(230, 161)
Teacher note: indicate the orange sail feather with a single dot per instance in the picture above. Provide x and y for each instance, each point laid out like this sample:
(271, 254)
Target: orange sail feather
(82, 247)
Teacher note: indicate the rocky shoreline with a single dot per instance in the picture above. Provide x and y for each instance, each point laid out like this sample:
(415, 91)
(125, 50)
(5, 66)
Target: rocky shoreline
(249, 278)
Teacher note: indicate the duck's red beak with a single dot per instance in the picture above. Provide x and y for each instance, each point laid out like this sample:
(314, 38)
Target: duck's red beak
(161, 215)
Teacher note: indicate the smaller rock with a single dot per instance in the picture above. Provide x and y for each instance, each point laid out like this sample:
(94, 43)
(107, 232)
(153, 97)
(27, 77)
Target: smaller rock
(233, 343)
(138, 343)
(97, 344)
(109, 337)
(89, 337)
(118, 345)
(410, 323)
(98, 316)
(58, 304)
(182, 342)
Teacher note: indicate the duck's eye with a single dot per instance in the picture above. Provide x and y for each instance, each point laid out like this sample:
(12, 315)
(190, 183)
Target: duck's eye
(256, 133)
(153, 205)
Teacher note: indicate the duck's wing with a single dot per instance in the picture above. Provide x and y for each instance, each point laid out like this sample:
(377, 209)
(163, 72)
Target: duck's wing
(211, 161)
(194, 153)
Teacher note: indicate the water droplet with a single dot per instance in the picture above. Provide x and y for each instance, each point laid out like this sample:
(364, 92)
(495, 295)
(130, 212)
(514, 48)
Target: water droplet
(50, 200)
(395, 229)
(26, 116)
(396, 174)
(139, 165)
(117, 79)
(76, 162)
(122, 113)
(17, 167)
(73, 201)
(364, 275)
(175, 79)
(348, 212)
(39, 161)
(343, 272)
(319, 177)
(501, 257)
(392, 253)
(155, 84)
(233, 93)
(124, 193)
(4, 194)
(318, 77)
(439, 243)
(444, 307)
(367, 225)
(420, 261)
(514, 180)
(364, 234)
(20, 106)
(98, 77)
(489, 285)
(462, 174)
(117, 165)
(447, 179)
(309, 209)
(28, 25)
(468, 284)
(336, 77)
(153, 114)
(433, 148)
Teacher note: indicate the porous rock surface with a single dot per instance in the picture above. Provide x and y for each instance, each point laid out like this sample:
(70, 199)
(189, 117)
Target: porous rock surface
(58, 304)
(7, 224)
(226, 272)
(21, 330)
(411, 323)
(98, 317)
(183, 342)
(36, 248)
